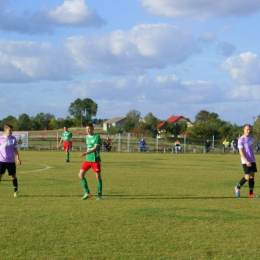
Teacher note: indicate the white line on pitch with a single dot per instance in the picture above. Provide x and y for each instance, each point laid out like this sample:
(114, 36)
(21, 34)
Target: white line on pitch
(39, 170)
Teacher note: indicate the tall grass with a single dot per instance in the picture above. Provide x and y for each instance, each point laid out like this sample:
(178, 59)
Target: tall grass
(155, 206)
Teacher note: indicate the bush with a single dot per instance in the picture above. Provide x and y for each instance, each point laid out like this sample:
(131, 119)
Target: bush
(114, 130)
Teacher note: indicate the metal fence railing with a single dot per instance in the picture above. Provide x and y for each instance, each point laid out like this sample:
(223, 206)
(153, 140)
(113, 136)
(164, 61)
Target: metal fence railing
(130, 143)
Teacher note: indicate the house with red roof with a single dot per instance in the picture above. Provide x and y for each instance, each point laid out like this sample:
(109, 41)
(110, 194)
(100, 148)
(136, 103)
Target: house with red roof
(175, 119)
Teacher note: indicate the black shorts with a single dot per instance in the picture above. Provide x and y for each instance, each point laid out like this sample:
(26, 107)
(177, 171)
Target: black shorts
(251, 169)
(10, 167)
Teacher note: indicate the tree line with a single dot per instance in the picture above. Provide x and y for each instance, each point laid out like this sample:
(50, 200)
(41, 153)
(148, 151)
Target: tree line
(82, 111)
(206, 125)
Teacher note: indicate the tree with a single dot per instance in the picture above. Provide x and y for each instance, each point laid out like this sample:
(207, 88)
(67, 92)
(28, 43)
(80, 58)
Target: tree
(24, 122)
(140, 129)
(65, 122)
(206, 129)
(256, 129)
(225, 130)
(9, 120)
(236, 131)
(173, 128)
(180, 127)
(83, 106)
(150, 123)
(114, 130)
(39, 121)
(206, 124)
(43, 120)
(53, 125)
(205, 116)
(34, 124)
(47, 119)
(132, 119)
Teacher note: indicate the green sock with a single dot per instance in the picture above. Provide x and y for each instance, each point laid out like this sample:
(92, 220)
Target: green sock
(85, 185)
(67, 156)
(99, 185)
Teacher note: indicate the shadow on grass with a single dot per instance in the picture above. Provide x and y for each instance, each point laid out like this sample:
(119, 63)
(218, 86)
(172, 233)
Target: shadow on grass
(133, 197)
(166, 197)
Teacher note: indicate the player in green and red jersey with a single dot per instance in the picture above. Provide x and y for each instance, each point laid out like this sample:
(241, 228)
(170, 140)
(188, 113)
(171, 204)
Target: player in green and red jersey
(66, 137)
(93, 161)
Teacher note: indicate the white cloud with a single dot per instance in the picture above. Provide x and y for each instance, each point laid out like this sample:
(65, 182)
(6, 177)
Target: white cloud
(200, 8)
(144, 47)
(168, 79)
(73, 13)
(29, 61)
(244, 69)
(245, 93)
(165, 88)
(111, 89)
(120, 52)
(166, 94)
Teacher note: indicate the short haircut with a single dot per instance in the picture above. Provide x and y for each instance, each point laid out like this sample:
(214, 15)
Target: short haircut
(90, 125)
(8, 126)
(247, 125)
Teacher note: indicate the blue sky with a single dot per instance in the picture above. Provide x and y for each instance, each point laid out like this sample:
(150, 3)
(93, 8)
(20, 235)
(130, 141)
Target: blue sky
(168, 57)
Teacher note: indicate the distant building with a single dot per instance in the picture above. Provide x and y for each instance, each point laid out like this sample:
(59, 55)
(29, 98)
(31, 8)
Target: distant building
(175, 119)
(115, 121)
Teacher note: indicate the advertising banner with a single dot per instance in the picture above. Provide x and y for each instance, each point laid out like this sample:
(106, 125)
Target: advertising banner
(21, 137)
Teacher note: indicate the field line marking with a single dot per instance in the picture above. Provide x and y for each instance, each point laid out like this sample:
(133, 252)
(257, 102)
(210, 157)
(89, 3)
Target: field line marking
(46, 167)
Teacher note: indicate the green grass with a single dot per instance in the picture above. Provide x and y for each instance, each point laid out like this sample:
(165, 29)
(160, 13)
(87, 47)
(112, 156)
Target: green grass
(155, 206)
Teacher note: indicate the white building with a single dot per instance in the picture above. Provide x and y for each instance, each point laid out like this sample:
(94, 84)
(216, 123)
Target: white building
(115, 121)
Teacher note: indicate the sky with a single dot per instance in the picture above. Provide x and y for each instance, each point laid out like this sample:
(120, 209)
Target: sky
(167, 57)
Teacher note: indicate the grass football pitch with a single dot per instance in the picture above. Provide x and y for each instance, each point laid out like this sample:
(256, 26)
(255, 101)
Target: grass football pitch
(155, 206)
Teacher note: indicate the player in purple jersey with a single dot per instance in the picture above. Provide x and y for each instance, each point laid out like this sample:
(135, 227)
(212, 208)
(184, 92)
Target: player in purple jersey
(8, 154)
(245, 147)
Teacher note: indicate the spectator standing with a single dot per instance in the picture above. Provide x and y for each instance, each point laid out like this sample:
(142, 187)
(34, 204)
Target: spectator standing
(225, 146)
(233, 146)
